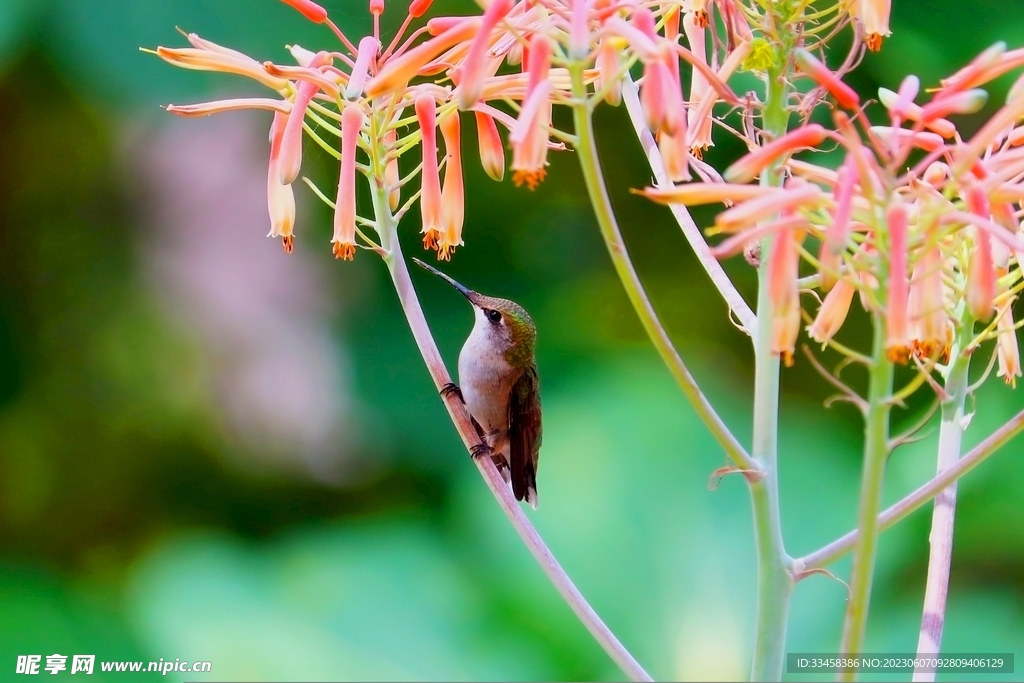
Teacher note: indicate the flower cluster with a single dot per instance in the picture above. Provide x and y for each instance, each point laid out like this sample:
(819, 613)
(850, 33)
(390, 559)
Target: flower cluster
(922, 224)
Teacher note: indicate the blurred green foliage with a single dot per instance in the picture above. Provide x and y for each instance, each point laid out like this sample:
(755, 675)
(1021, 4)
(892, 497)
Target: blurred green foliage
(130, 528)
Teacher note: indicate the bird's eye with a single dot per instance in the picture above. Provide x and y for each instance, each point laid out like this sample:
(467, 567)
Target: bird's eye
(493, 315)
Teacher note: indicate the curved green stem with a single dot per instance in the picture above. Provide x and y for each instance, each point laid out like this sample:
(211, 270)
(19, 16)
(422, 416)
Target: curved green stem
(590, 165)
(388, 229)
(876, 450)
(940, 555)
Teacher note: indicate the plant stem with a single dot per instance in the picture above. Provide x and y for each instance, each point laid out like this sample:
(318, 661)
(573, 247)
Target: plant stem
(940, 556)
(387, 228)
(700, 247)
(593, 176)
(774, 578)
(918, 498)
(876, 450)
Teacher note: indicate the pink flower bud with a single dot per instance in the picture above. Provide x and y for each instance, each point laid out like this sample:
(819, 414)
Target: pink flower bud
(377, 7)
(453, 198)
(309, 9)
(492, 154)
(430, 178)
(417, 8)
(344, 240)
(529, 137)
(368, 47)
(609, 63)
(291, 145)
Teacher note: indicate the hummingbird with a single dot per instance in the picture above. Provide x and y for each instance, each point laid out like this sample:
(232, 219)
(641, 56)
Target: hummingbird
(500, 386)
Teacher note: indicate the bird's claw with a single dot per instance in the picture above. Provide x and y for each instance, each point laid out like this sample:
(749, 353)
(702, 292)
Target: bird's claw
(481, 450)
(452, 389)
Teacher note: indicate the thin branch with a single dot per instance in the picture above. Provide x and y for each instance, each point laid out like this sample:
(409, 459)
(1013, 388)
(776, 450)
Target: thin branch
(460, 418)
(911, 503)
(700, 247)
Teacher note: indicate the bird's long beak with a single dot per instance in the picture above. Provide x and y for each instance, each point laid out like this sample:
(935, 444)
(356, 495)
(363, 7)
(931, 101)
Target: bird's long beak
(465, 291)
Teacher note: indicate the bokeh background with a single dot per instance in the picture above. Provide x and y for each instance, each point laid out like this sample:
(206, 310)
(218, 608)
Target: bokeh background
(213, 451)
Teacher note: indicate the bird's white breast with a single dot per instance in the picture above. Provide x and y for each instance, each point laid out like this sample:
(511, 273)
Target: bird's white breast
(486, 379)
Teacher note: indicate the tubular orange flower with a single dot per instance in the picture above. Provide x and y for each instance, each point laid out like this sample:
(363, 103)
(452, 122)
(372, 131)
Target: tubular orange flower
(529, 138)
(897, 327)
(838, 233)
(674, 153)
(471, 85)
(698, 194)
(608, 63)
(783, 264)
(453, 198)
(280, 198)
(291, 145)
(392, 177)
(492, 154)
(398, 72)
(660, 93)
(930, 329)
(981, 276)
(833, 312)
(699, 128)
(344, 240)
(1007, 351)
(874, 15)
(209, 60)
(430, 199)
(813, 67)
(748, 168)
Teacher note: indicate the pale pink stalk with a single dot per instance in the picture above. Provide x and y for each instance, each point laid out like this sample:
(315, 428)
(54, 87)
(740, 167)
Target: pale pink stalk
(897, 323)
(344, 239)
(492, 153)
(453, 197)
(430, 178)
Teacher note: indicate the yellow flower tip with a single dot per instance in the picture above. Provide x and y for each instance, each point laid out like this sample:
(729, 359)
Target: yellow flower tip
(531, 178)
(701, 18)
(430, 238)
(873, 41)
(288, 242)
(899, 354)
(343, 251)
(444, 252)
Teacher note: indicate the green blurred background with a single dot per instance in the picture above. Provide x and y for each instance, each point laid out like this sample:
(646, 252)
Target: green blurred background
(212, 451)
